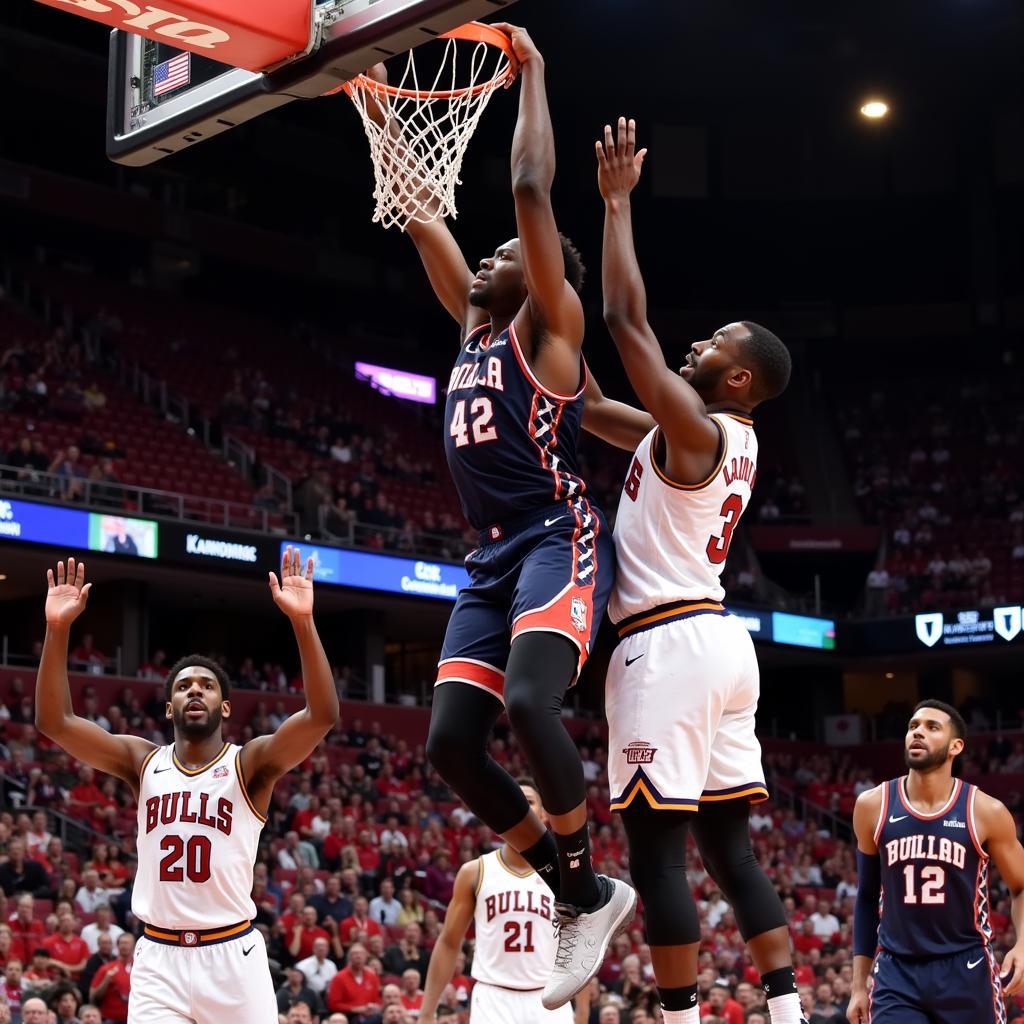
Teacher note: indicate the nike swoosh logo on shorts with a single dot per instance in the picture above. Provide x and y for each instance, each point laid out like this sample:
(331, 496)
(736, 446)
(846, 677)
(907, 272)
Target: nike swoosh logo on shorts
(629, 661)
(246, 952)
(971, 966)
(551, 522)
(892, 820)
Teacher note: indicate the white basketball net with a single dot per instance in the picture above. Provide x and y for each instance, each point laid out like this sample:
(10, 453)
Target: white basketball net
(417, 153)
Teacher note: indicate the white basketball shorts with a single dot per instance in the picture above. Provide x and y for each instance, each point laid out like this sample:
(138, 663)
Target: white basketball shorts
(680, 700)
(208, 984)
(494, 1005)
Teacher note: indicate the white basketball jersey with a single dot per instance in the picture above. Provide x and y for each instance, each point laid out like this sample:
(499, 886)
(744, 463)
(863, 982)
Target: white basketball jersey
(515, 935)
(672, 539)
(198, 834)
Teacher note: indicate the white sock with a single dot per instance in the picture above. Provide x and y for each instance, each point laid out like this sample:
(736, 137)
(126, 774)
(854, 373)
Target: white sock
(785, 1009)
(691, 1015)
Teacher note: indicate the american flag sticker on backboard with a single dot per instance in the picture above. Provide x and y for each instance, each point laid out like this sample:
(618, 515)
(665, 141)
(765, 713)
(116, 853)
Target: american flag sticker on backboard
(172, 74)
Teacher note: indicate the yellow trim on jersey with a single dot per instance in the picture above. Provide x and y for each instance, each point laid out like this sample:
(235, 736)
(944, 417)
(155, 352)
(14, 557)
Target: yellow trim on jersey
(146, 760)
(245, 789)
(197, 771)
(512, 871)
(201, 936)
(745, 420)
(639, 787)
(708, 479)
(759, 791)
(479, 876)
(683, 608)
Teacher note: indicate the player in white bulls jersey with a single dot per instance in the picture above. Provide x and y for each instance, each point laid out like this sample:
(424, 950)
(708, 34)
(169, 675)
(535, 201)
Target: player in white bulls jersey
(683, 684)
(513, 913)
(202, 804)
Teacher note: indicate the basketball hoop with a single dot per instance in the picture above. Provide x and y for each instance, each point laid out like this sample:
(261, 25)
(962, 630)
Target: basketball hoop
(419, 134)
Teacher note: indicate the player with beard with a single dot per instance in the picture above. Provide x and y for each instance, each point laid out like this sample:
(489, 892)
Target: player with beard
(520, 633)
(683, 684)
(924, 845)
(202, 805)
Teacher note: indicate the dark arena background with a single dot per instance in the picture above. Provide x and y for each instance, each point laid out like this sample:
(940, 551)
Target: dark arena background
(208, 358)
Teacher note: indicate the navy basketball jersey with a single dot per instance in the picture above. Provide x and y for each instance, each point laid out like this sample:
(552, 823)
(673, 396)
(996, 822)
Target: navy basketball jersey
(510, 442)
(934, 875)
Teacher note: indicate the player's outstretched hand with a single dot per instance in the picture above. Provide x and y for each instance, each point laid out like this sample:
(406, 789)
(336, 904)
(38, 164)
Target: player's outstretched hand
(618, 162)
(294, 594)
(1012, 971)
(857, 1011)
(523, 46)
(66, 595)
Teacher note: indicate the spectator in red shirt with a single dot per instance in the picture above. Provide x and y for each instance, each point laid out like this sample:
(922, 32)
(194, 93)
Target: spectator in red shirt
(304, 933)
(86, 795)
(66, 948)
(359, 921)
(355, 990)
(369, 857)
(27, 934)
(86, 654)
(12, 990)
(721, 1004)
(112, 983)
(412, 995)
(806, 940)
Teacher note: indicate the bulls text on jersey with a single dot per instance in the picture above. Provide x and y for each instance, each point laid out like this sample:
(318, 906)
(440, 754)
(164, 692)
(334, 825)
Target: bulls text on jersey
(189, 807)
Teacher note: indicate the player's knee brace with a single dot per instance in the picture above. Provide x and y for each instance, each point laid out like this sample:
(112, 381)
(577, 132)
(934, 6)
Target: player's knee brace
(657, 865)
(722, 832)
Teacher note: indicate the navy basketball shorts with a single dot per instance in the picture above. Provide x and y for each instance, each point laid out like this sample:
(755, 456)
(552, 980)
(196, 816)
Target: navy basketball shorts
(959, 989)
(550, 571)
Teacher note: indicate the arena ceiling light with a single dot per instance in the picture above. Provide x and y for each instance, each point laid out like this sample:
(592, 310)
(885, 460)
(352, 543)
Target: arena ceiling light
(875, 109)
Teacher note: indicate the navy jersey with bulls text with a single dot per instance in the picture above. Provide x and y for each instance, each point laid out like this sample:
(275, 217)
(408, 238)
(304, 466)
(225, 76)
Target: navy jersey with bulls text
(935, 898)
(510, 441)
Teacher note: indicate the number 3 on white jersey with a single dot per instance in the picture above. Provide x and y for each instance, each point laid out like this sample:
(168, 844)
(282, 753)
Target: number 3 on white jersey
(482, 412)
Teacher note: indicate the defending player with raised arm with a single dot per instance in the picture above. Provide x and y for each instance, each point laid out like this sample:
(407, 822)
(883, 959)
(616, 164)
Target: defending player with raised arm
(511, 910)
(202, 805)
(921, 919)
(520, 633)
(683, 684)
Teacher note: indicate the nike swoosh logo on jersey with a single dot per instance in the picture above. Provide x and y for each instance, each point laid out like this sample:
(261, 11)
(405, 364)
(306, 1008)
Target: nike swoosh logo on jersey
(157, 771)
(892, 820)
(551, 522)
(971, 966)
(246, 952)
(629, 661)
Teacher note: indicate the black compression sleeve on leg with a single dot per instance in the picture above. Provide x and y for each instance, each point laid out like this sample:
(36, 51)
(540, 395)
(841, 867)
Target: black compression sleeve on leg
(460, 727)
(540, 668)
(722, 831)
(657, 865)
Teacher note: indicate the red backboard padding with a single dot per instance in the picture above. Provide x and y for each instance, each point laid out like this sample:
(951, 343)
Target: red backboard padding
(250, 34)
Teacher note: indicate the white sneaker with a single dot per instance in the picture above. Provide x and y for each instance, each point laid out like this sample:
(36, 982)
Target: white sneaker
(583, 940)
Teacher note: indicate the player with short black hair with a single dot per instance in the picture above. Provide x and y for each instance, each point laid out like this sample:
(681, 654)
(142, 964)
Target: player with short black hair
(921, 927)
(521, 631)
(683, 684)
(202, 806)
(198, 661)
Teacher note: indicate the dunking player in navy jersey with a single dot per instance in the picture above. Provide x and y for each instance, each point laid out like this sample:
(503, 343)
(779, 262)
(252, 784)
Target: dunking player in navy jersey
(924, 843)
(540, 578)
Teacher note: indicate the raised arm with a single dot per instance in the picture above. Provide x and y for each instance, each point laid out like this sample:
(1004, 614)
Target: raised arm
(692, 439)
(121, 756)
(266, 758)
(619, 424)
(446, 267)
(554, 308)
(446, 951)
(996, 825)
